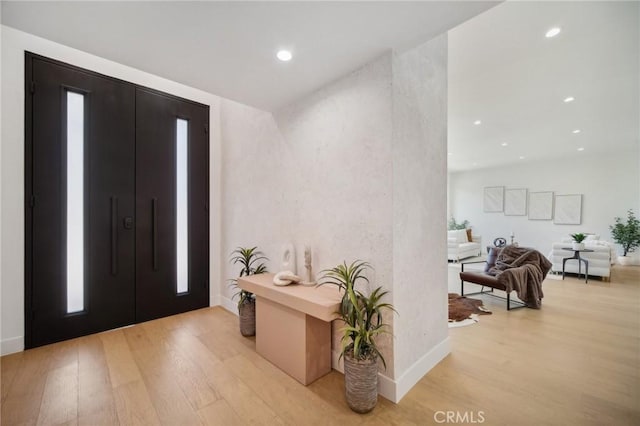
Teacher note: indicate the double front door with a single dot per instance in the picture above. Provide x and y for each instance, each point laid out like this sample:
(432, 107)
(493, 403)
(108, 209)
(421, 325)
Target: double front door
(116, 213)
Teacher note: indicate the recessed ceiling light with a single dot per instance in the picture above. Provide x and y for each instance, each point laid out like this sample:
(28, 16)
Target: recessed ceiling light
(581, 149)
(576, 131)
(569, 99)
(477, 122)
(284, 55)
(552, 32)
(504, 144)
(522, 157)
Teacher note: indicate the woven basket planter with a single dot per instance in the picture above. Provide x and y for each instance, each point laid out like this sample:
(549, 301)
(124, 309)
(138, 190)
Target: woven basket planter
(361, 383)
(247, 313)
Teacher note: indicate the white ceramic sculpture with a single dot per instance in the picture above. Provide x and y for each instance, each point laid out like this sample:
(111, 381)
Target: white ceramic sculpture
(307, 264)
(285, 278)
(288, 258)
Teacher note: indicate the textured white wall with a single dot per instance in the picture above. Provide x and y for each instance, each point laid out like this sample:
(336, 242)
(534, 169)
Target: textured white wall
(317, 174)
(256, 197)
(357, 170)
(340, 138)
(609, 184)
(340, 142)
(14, 44)
(419, 208)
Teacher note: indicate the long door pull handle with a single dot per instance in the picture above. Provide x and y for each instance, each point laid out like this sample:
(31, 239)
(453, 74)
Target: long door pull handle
(154, 232)
(114, 235)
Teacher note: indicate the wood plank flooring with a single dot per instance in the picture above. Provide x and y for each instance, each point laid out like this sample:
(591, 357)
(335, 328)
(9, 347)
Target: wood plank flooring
(574, 362)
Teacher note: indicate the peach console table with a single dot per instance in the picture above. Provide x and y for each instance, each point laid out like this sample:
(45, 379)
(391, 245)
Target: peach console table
(293, 325)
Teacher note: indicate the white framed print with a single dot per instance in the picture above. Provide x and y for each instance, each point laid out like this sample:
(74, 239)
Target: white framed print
(540, 205)
(568, 209)
(515, 202)
(493, 199)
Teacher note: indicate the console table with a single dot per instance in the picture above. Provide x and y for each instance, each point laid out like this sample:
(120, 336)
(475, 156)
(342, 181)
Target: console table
(293, 325)
(576, 255)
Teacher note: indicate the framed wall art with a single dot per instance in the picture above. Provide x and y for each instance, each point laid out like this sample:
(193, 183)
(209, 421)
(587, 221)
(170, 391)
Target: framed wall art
(493, 199)
(515, 202)
(540, 205)
(568, 209)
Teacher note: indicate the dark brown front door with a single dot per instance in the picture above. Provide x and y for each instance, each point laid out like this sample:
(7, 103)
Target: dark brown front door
(172, 136)
(82, 204)
(116, 215)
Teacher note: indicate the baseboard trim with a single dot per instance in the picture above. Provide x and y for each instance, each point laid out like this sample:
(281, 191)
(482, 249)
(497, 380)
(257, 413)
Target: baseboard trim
(395, 390)
(229, 305)
(387, 387)
(420, 368)
(12, 345)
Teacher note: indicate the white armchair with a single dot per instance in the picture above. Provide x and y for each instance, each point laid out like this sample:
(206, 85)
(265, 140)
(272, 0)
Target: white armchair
(459, 246)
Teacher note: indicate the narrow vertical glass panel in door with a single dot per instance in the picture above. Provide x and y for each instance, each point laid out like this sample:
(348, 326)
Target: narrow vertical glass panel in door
(182, 209)
(75, 202)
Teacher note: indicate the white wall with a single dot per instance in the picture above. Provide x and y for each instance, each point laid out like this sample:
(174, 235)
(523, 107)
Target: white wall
(14, 44)
(256, 198)
(609, 184)
(356, 170)
(317, 174)
(419, 210)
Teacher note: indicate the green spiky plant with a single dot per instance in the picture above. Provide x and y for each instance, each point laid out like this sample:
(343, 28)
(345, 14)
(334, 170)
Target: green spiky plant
(579, 237)
(251, 261)
(361, 314)
(626, 234)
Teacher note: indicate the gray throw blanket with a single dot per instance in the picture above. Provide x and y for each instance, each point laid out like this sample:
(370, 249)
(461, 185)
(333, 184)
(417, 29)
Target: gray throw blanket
(523, 270)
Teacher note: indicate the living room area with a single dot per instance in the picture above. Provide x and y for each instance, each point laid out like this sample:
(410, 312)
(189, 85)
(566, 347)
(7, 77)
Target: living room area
(555, 156)
(543, 144)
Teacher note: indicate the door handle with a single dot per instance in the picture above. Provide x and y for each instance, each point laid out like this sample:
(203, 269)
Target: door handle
(127, 222)
(154, 233)
(114, 235)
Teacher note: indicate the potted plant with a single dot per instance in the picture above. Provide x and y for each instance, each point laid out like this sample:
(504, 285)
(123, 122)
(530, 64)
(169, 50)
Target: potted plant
(627, 235)
(250, 259)
(578, 241)
(363, 321)
(453, 225)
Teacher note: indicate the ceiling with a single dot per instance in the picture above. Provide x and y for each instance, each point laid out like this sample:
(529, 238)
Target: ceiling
(228, 48)
(506, 73)
(502, 69)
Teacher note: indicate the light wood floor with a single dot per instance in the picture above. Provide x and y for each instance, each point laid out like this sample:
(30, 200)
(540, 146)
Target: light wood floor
(576, 361)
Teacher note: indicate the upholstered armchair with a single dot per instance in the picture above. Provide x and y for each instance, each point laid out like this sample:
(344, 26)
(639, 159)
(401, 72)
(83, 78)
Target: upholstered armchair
(459, 246)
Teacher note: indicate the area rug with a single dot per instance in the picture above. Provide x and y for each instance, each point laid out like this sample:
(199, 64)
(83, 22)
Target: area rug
(464, 311)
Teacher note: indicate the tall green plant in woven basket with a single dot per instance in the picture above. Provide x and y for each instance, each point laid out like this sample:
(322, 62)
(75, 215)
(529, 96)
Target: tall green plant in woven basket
(252, 262)
(363, 322)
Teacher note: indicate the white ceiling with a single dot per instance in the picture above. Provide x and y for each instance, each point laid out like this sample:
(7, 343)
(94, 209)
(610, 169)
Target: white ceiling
(228, 48)
(504, 72)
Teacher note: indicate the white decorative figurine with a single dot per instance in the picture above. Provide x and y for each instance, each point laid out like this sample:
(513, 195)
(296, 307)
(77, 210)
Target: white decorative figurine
(307, 264)
(288, 258)
(285, 278)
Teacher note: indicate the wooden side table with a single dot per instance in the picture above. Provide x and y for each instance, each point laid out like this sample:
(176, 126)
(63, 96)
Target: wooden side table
(293, 325)
(576, 255)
